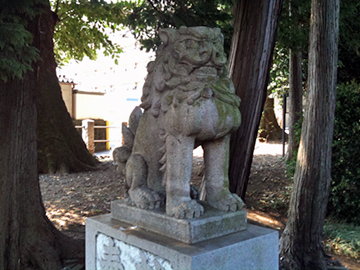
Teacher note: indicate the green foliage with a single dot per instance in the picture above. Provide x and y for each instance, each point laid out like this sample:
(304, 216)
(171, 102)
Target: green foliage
(342, 238)
(84, 27)
(349, 41)
(293, 31)
(350, 24)
(344, 198)
(16, 50)
(279, 73)
(148, 17)
(293, 34)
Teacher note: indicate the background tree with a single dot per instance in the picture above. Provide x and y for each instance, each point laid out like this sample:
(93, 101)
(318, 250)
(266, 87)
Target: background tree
(345, 182)
(277, 87)
(270, 130)
(295, 100)
(82, 28)
(286, 76)
(293, 38)
(250, 60)
(301, 243)
(28, 240)
(60, 147)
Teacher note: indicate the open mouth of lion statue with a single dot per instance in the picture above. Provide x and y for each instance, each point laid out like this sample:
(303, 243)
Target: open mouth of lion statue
(187, 101)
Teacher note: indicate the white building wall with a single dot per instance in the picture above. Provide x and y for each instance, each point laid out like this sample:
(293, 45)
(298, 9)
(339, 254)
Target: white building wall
(121, 84)
(67, 94)
(89, 105)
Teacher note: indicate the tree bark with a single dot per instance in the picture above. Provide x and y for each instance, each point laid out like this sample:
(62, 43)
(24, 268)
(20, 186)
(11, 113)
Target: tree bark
(270, 131)
(27, 238)
(301, 243)
(60, 146)
(249, 65)
(295, 100)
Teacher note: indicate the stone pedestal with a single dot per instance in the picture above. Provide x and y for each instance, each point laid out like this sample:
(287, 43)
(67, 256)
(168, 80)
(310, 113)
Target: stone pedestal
(213, 223)
(113, 244)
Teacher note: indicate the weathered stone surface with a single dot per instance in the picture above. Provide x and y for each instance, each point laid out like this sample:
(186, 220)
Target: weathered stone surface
(128, 136)
(123, 246)
(114, 254)
(120, 157)
(187, 100)
(213, 223)
(135, 119)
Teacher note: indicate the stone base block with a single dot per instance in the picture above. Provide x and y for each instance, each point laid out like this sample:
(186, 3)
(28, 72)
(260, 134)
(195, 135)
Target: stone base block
(213, 223)
(112, 244)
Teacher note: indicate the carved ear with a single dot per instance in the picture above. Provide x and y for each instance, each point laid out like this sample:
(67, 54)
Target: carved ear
(217, 31)
(168, 35)
(134, 119)
(164, 36)
(183, 30)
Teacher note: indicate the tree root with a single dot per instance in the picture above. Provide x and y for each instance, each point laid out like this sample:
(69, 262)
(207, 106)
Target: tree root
(50, 249)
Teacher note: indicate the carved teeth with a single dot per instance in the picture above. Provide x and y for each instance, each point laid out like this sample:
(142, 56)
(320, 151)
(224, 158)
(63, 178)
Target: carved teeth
(163, 168)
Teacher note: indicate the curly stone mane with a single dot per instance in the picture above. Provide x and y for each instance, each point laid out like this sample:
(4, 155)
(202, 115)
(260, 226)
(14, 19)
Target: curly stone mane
(190, 64)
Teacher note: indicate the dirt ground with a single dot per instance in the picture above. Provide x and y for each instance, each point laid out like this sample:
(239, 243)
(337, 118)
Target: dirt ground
(69, 199)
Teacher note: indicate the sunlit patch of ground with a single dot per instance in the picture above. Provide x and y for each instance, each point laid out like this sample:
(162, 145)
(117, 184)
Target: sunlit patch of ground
(275, 149)
(65, 218)
(273, 221)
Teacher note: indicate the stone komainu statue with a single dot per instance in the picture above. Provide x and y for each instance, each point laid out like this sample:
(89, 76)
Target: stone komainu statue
(188, 100)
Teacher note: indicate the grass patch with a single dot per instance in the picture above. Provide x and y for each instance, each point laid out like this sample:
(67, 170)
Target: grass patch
(342, 238)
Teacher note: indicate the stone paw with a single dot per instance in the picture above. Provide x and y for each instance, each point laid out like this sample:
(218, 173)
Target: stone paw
(226, 201)
(144, 198)
(186, 210)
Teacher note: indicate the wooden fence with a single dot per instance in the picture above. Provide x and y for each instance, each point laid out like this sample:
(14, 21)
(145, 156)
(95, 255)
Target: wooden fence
(88, 134)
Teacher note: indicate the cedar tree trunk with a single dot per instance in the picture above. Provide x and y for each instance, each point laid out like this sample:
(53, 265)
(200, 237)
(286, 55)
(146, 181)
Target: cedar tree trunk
(27, 238)
(301, 243)
(270, 131)
(295, 100)
(250, 59)
(60, 146)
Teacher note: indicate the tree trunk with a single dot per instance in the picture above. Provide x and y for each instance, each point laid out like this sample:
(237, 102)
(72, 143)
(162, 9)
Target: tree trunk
(270, 131)
(295, 100)
(60, 148)
(27, 238)
(301, 242)
(249, 66)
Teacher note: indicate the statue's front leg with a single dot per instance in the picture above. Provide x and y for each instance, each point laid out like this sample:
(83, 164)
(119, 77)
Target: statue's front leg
(138, 192)
(179, 154)
(216, 157)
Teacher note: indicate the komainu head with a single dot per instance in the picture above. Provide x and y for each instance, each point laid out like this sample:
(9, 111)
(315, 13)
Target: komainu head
(190, 64)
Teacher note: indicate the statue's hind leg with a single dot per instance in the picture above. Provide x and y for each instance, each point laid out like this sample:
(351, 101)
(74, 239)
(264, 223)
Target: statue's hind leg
(216, 157)
(136, 180)
(179, 151)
